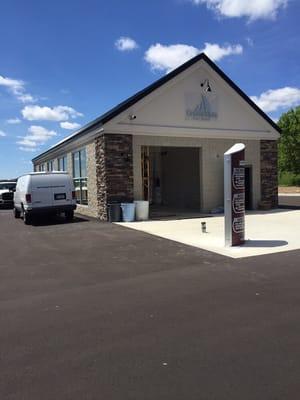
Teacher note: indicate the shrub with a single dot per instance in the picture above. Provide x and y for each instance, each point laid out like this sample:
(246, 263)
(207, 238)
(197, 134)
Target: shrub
(289, 179)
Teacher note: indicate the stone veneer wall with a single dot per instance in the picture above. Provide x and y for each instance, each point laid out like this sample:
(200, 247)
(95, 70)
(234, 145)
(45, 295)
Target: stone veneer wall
(91, 210)
(114, 170)
(269, 174)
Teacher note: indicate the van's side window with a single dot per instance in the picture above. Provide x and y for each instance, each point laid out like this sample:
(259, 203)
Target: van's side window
(80, 176)
(62, 164)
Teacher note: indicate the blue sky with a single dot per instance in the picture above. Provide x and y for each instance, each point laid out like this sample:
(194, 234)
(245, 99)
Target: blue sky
(63, 63)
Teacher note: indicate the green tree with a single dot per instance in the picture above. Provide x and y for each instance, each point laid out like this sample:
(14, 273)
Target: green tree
(289, 143)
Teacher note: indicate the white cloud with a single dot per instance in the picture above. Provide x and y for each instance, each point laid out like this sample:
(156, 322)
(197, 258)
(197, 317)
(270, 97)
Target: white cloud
(27, 142)
(273, 100)
(69, 125)
(126, 44)
(13, 121)
(28, 148)
(58, 113)
(37, 135)
(14, 85)
(252, 9)
(216, 52)
(166, 58)
(17, 88)
(26, 98)
(2, 134)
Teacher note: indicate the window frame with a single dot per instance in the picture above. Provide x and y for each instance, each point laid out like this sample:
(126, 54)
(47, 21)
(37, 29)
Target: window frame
(80, 182)
(50, 166)
(64, 160)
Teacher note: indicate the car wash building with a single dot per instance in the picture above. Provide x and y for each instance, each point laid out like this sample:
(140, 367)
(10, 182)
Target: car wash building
(166, 143)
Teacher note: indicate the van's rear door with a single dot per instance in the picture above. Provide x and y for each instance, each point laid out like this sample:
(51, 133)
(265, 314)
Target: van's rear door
(62, 190)
(41, 193)
(48, 190)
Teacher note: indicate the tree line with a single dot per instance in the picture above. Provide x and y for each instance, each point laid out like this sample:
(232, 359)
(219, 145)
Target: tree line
(289, 147)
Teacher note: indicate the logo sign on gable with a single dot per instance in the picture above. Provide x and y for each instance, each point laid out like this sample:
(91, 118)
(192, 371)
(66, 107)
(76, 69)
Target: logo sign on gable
(201, 106)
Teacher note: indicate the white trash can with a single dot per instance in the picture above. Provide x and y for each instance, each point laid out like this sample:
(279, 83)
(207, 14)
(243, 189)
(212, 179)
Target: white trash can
(141, 210)
(128, 212)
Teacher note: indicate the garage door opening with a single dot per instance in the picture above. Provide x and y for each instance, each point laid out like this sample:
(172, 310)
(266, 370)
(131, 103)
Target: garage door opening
(171, 178)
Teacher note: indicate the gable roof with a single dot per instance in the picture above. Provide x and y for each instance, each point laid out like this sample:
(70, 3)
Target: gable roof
(106, 117)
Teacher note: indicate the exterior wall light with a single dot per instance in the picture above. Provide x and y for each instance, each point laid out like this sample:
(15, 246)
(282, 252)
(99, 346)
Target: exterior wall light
(131, 117)
(206, 83)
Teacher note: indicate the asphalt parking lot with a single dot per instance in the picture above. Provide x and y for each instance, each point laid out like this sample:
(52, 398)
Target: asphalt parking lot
(92, 310)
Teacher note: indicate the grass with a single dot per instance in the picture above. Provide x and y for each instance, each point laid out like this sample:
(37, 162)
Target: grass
(289, 179)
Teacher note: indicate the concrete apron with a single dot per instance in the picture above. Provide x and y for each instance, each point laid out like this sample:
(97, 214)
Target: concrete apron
(267, 232)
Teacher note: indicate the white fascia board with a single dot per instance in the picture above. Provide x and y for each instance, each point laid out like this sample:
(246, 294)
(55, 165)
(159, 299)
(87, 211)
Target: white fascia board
(204, 133)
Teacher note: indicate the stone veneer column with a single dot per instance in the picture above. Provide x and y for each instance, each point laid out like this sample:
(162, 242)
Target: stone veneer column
(269, 174)
(114, 169)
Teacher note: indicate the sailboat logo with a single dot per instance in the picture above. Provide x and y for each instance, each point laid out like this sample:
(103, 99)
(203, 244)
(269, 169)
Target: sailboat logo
(205, 108)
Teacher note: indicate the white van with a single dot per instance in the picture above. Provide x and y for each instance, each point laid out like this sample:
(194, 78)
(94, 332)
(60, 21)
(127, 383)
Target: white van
(44, 192)
(7, 193)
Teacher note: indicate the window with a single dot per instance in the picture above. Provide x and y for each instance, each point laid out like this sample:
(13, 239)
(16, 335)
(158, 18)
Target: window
(11, 186)
(42, 167)
(50, 166)
(62, 163)
(80, 176)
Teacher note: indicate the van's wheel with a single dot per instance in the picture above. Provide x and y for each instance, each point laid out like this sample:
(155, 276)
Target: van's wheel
(69, 215)
(17, 213)
(27, 218)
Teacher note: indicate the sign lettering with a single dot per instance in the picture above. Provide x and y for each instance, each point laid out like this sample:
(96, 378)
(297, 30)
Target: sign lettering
(201, 106)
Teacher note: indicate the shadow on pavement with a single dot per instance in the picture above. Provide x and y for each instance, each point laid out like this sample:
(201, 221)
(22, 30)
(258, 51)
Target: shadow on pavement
(265, 243)
(56, 220)
(6, 207)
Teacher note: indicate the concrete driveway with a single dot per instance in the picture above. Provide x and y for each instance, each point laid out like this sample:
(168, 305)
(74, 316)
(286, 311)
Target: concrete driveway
(266, 232)
(91, 310)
